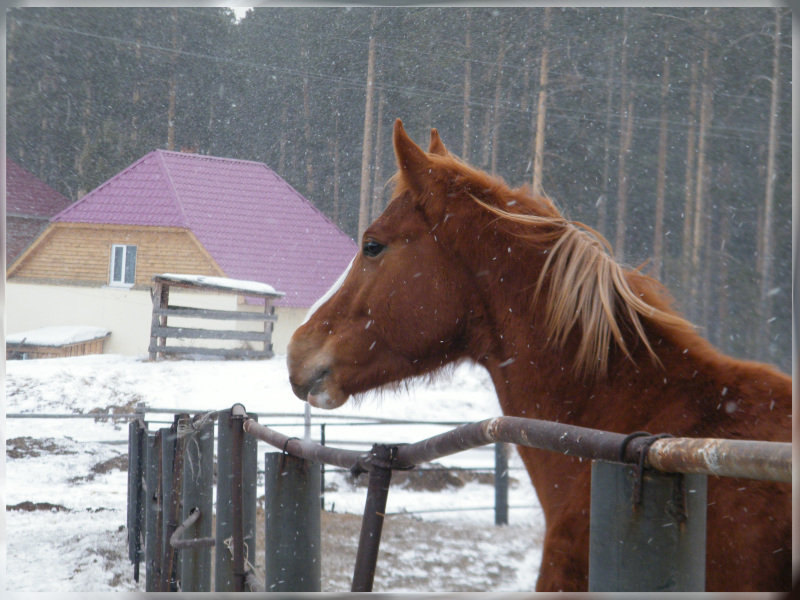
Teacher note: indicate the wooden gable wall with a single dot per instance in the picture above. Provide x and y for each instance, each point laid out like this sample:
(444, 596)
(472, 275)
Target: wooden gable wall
(81, 253)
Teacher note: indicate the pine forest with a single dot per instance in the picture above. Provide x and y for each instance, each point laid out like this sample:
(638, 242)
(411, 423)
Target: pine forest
(666, 129)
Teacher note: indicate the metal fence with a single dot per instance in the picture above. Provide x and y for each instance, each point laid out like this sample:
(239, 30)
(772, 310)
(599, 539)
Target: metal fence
(171, 485)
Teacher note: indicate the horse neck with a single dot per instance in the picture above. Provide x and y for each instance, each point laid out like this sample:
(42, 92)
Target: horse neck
(692, 390)
(536, 379)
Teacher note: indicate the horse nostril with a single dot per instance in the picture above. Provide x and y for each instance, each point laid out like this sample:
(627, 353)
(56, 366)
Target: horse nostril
(318, 381)
(313, 385)
(301, 391)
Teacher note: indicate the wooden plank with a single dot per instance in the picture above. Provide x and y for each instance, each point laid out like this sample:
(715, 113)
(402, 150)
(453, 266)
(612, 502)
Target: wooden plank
(208, 334)
(211, 286)
(160, 302)
(207, 313)
(225, 352)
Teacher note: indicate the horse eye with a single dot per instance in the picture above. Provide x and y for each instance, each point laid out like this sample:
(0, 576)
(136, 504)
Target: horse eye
(372, 248)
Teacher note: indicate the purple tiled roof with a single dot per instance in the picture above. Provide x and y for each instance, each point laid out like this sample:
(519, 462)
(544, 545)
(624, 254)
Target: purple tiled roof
(29, 196)
(253, 223)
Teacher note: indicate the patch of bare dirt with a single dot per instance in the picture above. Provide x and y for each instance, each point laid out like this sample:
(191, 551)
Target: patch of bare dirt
(21, 447)
(119, 462)
(107, 413)
(29, 506)
(433, 477)
(420, 555)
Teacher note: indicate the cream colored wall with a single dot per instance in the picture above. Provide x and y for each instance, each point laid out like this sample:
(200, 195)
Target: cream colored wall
(126, 312)
(289, 319)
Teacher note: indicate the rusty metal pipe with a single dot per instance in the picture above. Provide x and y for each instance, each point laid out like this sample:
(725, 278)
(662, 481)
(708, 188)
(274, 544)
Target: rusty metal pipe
(726, 458)
(346, 459)
(731, 458)
(372, 521)
(176, 539)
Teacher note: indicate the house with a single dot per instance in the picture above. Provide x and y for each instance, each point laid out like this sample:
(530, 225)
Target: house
(30, 203)
(175, 212)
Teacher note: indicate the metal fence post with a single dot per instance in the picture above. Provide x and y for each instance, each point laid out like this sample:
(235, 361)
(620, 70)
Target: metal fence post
(500, 483)
(236, 501)
(657, 545)
(322, 469)
(197, 492)
(152, 536)
(292, 559)
(170, 508)
(137, 433)
(369, 540)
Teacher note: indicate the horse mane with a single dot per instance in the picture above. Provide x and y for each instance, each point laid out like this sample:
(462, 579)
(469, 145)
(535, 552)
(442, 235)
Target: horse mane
(583, 283)
(587, 287)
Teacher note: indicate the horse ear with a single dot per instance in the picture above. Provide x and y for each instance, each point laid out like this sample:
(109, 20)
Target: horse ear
(411, 159)
(437, 145)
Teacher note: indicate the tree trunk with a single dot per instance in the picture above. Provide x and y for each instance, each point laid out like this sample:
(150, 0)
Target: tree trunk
(377, 179)
(136, 94)
(282, 142)
(723, 315)
(467, 89)
(688, 205)
(700, 184)
(626, 132)
(765, 239)
(602, 200)
(172, 92)
(661, 176)
(496, 110)
(307, 155)
(366, 152)
(336, 201)
(541, 110)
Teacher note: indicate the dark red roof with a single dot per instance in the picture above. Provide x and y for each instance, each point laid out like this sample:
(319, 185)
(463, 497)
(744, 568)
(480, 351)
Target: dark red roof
(253, 223)
(29, 196)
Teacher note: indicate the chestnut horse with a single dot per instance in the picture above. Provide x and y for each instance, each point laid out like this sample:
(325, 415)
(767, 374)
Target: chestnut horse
(461, 267)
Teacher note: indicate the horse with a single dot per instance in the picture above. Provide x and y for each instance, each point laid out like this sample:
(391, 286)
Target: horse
(461, 267)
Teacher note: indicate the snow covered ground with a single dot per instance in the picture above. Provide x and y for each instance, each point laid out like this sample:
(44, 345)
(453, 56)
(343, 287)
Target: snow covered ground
(66, 479)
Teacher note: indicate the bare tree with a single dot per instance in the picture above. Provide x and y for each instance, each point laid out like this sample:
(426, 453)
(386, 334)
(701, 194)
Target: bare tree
(496, 110)
(688, 205)
(467, 88)
(706, 112)
(602, 200)
(366, 152)
(765, 235)
(541, 109)
(625, 136)
(377, 179)
(661, 175)
(172, 91)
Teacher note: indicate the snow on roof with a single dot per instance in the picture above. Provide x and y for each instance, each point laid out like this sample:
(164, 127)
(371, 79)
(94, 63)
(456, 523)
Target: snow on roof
(238, 285)
(27, 195)
(57, 335)
(254, 224)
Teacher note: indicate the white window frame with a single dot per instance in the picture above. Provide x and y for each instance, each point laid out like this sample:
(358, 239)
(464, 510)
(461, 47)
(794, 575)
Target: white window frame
(124, 271)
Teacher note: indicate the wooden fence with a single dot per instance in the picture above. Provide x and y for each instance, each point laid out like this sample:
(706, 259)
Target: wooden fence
(161, 330)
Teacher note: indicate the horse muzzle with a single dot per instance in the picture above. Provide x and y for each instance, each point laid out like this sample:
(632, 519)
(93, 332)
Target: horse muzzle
(313, 383)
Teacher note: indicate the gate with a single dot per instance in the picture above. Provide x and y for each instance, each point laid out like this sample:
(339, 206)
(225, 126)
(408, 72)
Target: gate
(170, 488)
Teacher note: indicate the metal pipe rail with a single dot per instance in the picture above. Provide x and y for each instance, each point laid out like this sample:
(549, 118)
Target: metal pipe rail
(695, 457)
(726, 458)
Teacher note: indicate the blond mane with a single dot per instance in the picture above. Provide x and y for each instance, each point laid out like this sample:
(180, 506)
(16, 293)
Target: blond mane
(587, 288)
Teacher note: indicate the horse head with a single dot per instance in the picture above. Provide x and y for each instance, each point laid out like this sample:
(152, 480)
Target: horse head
(407, 305)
